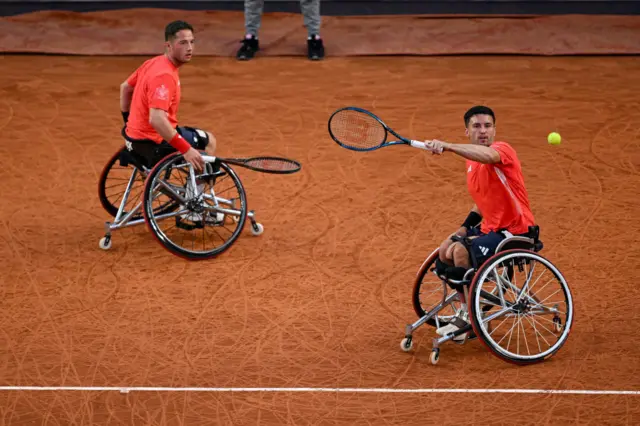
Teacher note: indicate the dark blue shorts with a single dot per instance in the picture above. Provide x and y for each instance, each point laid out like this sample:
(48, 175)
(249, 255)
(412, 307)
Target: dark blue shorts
(483, 246)
(153, 152)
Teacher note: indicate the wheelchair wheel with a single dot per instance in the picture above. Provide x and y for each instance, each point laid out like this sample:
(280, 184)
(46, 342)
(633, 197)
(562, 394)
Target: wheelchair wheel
(532, 306)
(429, 291)
(208, 219)
(113, 183)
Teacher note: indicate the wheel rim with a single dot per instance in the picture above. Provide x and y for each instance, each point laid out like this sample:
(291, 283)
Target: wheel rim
(522, 326)
(112, 186)
(430, 291)
(191, 230)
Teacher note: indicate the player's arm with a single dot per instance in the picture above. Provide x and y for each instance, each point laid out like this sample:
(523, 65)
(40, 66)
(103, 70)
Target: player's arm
(126, 94)
(159, 121)
(479, 153)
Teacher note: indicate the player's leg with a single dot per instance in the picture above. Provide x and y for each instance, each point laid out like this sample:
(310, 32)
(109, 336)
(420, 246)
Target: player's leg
(252, 20)
(454, 259)
(199, 139)
(482, 248)
(311, 12)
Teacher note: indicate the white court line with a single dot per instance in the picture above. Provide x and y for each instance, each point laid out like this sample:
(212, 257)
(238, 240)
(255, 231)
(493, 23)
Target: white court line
(313, 390)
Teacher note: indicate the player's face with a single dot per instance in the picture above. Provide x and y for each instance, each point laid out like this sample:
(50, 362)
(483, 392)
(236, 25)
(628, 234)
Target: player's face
(481, 130)
(180, 49)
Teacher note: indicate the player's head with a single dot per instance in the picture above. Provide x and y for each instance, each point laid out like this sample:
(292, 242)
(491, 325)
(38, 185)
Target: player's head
(179, 42)
(480, 124)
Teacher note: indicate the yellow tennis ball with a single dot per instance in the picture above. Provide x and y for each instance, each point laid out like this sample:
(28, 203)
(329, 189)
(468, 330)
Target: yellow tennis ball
(554, 138)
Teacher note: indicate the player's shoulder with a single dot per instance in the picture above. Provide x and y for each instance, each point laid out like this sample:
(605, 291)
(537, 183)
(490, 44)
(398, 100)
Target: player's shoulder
(500, 144)
(503, 146)
(165, 68)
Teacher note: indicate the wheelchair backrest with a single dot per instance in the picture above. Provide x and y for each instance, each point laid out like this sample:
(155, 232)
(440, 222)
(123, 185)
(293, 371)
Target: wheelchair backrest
(517, 242)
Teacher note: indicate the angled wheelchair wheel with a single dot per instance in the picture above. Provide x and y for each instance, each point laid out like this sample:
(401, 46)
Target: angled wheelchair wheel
(429, 291)
(532, 306)
(210, 215)
(119, 173)
(113, 183)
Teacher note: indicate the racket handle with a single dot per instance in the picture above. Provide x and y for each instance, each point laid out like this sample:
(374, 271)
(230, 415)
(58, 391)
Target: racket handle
(418, 144)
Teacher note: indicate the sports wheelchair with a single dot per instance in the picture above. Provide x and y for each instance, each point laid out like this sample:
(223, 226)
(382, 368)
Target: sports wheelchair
(517, 303)
(194, 216)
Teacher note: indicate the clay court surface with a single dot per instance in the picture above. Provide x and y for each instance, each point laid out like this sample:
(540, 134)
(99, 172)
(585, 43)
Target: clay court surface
(320, 300)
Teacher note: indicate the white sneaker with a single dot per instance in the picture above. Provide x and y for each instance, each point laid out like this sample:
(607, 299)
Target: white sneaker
(459, 321)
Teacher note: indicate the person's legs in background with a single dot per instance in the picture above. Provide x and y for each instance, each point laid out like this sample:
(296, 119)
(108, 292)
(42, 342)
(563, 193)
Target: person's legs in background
(252, 20)
(311, 13)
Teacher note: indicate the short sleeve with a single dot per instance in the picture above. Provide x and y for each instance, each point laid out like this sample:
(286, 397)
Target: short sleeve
(507, 153)
(161, 91)
(133, 79)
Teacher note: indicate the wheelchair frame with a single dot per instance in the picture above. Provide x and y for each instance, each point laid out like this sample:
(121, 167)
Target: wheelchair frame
(513, 247)
(143, 213)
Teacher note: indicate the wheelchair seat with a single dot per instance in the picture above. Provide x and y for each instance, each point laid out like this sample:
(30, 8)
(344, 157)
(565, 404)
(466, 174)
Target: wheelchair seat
(131, 157)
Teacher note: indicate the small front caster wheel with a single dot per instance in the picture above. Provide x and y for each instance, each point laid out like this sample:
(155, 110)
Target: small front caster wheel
(257, 229)
(435, 356)
(406, 344)
(105, 243)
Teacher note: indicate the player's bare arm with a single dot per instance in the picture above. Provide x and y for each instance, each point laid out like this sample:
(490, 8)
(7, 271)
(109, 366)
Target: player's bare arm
(159, 121)
(126, 94)
(473, 152)
(479, 153)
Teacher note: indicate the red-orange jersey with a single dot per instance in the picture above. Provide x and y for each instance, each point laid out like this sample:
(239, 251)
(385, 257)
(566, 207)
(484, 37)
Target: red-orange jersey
(499, 192)
(156, 84)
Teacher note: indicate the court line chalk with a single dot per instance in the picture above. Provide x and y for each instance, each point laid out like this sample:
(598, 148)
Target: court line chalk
(128, 389)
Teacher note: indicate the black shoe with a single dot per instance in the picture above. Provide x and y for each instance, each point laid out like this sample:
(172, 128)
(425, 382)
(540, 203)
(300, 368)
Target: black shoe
(315, 48)
(248, 49)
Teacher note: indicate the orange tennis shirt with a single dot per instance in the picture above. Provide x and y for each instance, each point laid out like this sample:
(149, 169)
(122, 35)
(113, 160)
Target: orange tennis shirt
(499, 192)
(156, 84)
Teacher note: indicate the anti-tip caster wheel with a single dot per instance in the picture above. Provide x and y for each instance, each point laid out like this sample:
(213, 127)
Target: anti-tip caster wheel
(105, 242)
(257, 229)
(406, 344)
(435, 356)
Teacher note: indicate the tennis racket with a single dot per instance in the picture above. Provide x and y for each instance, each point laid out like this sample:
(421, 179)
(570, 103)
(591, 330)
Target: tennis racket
(264, 164)
(360, 130)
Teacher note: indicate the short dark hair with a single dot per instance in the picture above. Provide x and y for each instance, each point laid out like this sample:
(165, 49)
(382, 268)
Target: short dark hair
(478, 109)
(174, 27)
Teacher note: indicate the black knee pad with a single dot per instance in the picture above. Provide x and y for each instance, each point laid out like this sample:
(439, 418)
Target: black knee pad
(456, 273)
(441, 267)
(197, 138)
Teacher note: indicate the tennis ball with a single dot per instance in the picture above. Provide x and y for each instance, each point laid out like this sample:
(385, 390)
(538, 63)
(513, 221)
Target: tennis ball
(554, 138)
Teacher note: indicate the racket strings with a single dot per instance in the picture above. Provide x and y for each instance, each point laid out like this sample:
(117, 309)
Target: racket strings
(357, 129)
(273, 164)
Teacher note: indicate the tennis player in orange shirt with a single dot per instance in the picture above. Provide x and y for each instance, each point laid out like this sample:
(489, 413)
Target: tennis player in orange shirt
(149, 101)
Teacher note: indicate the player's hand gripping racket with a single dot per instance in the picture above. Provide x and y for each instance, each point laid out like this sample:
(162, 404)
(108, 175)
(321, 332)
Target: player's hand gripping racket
(360, 130)
(263, 164)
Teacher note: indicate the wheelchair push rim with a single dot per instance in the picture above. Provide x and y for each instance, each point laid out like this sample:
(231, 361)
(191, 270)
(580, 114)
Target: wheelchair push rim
(113, 183)
(429, 291)
(208, 219)
(532, 311)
